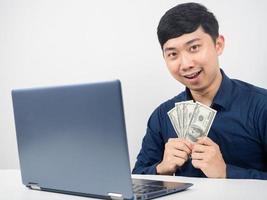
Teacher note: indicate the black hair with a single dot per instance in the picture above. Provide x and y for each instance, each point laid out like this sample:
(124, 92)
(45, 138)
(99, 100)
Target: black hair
(186, 18)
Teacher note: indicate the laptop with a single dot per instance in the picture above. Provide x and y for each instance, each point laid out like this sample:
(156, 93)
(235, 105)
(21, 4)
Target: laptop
(72, 139)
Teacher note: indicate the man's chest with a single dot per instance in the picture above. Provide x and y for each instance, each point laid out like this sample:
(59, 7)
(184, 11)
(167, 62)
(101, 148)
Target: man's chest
(238, 140)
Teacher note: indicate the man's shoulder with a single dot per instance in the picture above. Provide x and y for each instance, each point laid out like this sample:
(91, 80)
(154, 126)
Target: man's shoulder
(250, 89)
(250, 95)
(170, 103)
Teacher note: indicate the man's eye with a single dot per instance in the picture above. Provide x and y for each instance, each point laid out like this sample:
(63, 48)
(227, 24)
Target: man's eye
(172, 54)
(194, 48)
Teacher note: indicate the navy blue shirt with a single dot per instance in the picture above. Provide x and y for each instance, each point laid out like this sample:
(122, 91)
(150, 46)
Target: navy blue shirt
(239, 128)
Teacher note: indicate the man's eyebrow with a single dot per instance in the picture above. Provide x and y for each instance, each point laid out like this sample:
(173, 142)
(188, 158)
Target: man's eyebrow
(192, 41)
(169, 49)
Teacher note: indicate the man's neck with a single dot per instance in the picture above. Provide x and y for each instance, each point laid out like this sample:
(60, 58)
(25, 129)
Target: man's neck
(207, 95)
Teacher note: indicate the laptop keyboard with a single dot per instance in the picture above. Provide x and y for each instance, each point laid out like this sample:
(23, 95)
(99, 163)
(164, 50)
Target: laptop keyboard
(143, 189)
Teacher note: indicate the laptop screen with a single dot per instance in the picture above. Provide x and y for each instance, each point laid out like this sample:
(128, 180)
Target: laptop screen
(73, 138)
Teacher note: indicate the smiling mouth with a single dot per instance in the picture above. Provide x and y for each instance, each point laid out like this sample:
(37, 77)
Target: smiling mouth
(192, 76)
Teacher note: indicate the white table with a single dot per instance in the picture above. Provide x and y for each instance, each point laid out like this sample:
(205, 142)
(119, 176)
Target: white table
(11, 188)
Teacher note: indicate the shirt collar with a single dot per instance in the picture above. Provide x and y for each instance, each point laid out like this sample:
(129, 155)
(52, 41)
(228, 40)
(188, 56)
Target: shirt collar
(221, 98)
(187, 95)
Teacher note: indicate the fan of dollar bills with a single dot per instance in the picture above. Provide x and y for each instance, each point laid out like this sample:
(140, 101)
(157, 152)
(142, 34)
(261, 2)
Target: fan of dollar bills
(191, 120)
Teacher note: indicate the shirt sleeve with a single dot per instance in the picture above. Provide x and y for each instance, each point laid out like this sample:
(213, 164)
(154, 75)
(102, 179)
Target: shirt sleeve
(152, 147)
(241, 173)
(233, 171)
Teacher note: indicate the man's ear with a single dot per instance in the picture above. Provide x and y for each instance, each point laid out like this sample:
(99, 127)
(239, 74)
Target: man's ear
(219, 45)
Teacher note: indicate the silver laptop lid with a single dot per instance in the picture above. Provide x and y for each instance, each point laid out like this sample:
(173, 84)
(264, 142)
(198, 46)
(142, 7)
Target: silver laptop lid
(73, 139)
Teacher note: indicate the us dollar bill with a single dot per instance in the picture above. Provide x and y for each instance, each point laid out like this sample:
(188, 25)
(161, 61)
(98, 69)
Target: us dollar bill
(184, 109)
(173, 118)
(188, 111)
(200, 122)
(180, 120)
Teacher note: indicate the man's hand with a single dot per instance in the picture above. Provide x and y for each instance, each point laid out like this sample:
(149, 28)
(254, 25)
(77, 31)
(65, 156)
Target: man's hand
(175, 154)
(207, 157)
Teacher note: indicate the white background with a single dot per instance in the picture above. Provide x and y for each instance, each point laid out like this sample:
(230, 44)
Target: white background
(56, 42)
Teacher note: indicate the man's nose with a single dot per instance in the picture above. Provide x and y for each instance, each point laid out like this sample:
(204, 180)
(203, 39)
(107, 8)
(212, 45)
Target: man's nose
(186, 62)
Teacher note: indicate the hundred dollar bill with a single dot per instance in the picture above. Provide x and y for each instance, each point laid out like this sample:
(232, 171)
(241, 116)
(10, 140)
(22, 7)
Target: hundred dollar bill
(188, 110)
(179, 111)
(173, 118)
(201, 121)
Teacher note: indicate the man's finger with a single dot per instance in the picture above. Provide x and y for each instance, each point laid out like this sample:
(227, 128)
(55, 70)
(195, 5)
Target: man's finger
(179, 161)
(197, 156)
(181, 154)
(205, 141)
(181, 146)
(189, 144)
(197, 163)
(199, 148)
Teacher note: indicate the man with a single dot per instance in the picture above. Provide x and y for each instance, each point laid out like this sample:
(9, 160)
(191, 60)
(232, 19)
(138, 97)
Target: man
(236, 146)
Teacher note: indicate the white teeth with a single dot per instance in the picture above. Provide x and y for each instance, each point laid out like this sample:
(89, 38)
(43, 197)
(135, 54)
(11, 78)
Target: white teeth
(192, 75)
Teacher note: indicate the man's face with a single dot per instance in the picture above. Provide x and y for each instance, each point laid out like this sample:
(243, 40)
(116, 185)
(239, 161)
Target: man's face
(192, 59)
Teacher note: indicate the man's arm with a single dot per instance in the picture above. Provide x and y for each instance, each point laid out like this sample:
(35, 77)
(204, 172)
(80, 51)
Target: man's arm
(207, 157)
(152, 149)
(150, 154)
(238, 172)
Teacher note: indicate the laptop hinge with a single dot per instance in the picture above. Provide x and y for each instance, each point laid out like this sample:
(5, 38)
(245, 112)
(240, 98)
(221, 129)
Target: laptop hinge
(115, 196)
(34, 186)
